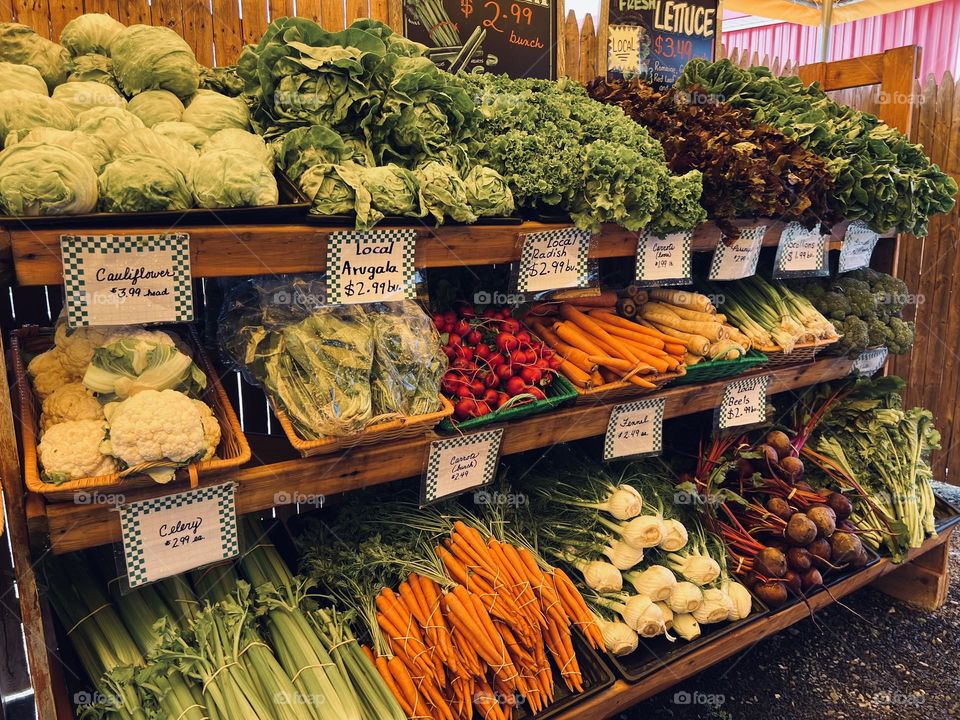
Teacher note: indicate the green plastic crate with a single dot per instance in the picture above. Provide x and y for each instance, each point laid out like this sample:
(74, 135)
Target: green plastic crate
(720, 369)
(558, 393)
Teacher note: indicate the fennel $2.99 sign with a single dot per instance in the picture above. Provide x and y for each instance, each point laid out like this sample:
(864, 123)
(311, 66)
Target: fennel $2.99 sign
(514, 37)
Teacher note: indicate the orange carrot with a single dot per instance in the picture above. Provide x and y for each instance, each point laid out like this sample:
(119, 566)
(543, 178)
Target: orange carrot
(606, 299)
(570, 333)
(384, 670)
(575, 374)
(614, 319)
(591, 326)
(639, 338)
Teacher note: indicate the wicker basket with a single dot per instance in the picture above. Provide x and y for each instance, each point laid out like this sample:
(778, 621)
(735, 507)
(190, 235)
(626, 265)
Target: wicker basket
(621, 390)
(381, 432)
(232, 452)
(800, 355)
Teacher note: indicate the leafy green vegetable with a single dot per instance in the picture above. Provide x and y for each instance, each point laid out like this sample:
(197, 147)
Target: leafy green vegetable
(487, 192)
(304, 147)
(22, 77)
(182, 131)
(247, 142)
(109, 124)
(80, 96)
(145, 360)
(90, 33)
(39, 179)
(23, 110)
(89, 146)
(145, 142)
(143, 183)
(881, 178)
(443, 193)
(232, 178)
(21, 45)
(156, 106)
(93, 68)
(210, 111)
(146, 57)
(331, 195)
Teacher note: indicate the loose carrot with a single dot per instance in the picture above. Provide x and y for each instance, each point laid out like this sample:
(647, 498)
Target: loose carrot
(570, 333)
(391, 683)
(647, 341)
(614, 319)
(607, 298)
(575, 374)
(597, 379)
(407, 688)
(591, 326)
(675, 349)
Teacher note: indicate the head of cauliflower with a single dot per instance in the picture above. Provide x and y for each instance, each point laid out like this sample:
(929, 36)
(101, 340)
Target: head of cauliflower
(48, 372)
(71, 451)
(69, 402)
(156, 426)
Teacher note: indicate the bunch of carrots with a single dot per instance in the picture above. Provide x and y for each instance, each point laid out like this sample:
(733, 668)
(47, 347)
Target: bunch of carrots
(481, 639)
(598, 347)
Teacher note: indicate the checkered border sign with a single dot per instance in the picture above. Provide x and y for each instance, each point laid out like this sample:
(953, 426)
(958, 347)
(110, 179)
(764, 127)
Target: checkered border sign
(786, 238)
(870, 361)
(528, 240)
(430, 486)
(407, 237)
(856, 240)
(754, 235)
(655, 404)
(131, 514)
(723, 418)
(73, 247)
(686, 238)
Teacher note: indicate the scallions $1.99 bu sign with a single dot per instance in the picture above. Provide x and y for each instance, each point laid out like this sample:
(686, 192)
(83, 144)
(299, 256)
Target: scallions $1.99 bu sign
(652, 40)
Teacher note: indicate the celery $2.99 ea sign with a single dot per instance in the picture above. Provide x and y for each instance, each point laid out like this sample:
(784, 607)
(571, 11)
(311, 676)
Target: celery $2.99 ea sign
(653, 40)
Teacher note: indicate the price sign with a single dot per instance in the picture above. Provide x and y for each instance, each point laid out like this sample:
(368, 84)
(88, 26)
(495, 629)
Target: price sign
(515, 37)
(127, 279)
(654, 40)
(801, 253)
(554, 260)
(858, 244)
(462, 463)
(739, 260)
(172, 534)
(371, 266)
(744, 403)
(663, 261)
(635, 429)
(869, 362)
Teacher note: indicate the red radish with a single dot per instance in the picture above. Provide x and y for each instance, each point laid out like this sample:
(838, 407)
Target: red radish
(465, 408)
(467, 311)
(463, 364)
(502, 399)
(530, 357)
(555, 363)
(536, 392)
(504, 372)
(515, 385)
(449, 317)
(518, 357)
(531, 375)
(541, 363)
(462, 327)
(511, 326)
(490, 313)
(482, 350)
(496, 360)
(477, 388)
(507, 342)
(465, 351)
(464, 391)
(438, 321)
(523, 336)
(450, 352)
(490, 396)
(454, 339)
(547, 379)
(482, 409)
(490, 379)
(546, 353)
(473, 337)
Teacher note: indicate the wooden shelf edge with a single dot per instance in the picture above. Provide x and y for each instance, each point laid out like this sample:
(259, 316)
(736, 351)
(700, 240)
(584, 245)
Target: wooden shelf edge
(74, 527)
(622, 695)
(240, 250)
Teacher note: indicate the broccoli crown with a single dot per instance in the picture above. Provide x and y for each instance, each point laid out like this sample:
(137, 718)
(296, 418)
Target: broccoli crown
(855, 335)
(901, 336)
(862, 300)
(878, 332)
(890, 292)
(836, 306)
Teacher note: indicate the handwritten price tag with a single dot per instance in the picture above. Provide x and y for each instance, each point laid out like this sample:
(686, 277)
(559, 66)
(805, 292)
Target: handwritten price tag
(739, 260)
(801, 252)
(663, 261)
(172, 534)
(869, 362)
(744, 403)
(635, 429)
(126, 279)
(554, 260)
(372, 266)
(624, 49)
(460, 463)
(858, 244)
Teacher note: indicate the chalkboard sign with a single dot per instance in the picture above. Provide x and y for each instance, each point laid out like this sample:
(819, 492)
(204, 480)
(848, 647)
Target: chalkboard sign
(653, 40)
(516, 37)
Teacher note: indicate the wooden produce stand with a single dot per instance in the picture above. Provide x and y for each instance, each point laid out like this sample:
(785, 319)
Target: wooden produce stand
(37, 526)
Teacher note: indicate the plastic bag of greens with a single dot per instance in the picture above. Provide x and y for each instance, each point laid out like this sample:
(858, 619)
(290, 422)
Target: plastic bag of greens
(313, 360)
(407, 361)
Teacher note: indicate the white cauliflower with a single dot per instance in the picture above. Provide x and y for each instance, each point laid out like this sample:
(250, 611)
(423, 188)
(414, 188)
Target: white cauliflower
(155, 426)
(71, 451)
(78, 344)
(48, 372)
(69, 402)
(211, 428)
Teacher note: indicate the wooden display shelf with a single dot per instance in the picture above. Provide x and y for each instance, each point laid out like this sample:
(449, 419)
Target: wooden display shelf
(240, 250)
(281, 476)
(622, 695)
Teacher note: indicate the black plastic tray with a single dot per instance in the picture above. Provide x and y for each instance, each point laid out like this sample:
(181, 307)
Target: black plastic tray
(653, 654)
(350, 221)
(293, 207)
(945, 514)
(597, 677)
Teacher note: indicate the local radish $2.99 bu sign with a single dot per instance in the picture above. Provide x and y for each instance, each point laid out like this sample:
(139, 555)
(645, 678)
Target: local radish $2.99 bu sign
(653, 40)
